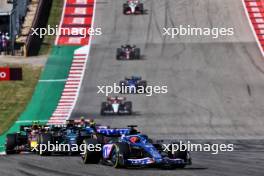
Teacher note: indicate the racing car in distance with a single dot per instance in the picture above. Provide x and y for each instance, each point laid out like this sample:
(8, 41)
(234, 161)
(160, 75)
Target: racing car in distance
(133, 84)
(133, 7)
(116, 106)
(122, 149)
(26, 139)
(128, 52)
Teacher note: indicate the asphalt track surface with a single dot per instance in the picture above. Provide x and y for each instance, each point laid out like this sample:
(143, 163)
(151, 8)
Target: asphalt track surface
(215, 90)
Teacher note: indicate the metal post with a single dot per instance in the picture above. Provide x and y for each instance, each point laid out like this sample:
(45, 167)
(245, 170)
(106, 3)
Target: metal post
(13, 17)
(11, 32)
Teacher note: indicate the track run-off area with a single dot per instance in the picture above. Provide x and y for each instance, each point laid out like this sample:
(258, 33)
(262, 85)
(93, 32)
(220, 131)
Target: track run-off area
(57, 90)
(215, 88)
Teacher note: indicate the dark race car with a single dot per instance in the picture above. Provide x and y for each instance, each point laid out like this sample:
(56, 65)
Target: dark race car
(69, 137)
(26, 139)
(121, 149)
(133, 7)
(116, 106)
(133, 84)
(128, 52)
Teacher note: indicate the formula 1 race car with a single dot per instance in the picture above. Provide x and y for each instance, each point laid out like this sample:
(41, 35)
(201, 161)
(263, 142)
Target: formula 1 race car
(31, 138)
(116, 105)
(133, 7)
(70, 135)
(128, 52)
(133, 84)
(121, 149)
(26, 139)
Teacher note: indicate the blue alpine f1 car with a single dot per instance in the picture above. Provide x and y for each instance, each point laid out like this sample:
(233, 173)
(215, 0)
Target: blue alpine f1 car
(133, 84)
(126, 147)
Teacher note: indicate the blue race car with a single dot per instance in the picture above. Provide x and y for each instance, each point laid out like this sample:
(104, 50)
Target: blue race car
(123, 148)
(132, 85)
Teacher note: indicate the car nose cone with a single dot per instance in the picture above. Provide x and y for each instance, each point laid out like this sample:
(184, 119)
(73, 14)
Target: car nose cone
(115, 107)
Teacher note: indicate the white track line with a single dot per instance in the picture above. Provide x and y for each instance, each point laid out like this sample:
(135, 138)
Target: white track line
(53, 80)
(30, 121)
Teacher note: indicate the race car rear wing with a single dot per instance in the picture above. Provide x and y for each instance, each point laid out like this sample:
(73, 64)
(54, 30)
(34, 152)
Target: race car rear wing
(113, 132)
(116, 132)
(28, 128)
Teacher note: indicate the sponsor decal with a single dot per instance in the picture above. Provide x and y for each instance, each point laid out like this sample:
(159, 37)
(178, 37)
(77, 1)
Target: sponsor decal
(4, 74)
(10, 74)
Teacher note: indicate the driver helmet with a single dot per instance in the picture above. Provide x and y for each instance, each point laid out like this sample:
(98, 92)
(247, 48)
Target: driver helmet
(134, 139)
(82, 119)
(35, 125)
(70, 123)
(91, 122)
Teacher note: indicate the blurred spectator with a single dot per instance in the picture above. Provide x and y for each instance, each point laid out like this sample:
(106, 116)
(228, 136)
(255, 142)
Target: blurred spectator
(7, 36)
(5, 43)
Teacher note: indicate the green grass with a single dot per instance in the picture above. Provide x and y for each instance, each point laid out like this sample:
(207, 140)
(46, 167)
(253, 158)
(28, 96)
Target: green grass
(54, 19)
(14, 96)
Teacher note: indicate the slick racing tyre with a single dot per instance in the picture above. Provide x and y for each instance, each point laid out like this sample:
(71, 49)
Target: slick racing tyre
(123, 86)
(128, 106)
(118, 53)
(181, 155)
(91, 157)
(45, 139)
(141, 8)
(125, 8)
(103, 108)
(120, 152)
(142, 86)
(11, 143)
(137, 54)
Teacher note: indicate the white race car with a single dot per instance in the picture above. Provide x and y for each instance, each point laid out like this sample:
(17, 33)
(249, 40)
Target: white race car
(116, 106)
(133, 7)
